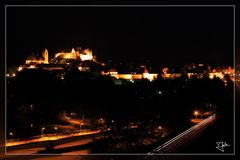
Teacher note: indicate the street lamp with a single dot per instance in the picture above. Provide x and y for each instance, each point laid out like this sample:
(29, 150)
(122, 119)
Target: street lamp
(42, 129)
(55, 128)
(11, 134)
(196, 114)
(81, 126)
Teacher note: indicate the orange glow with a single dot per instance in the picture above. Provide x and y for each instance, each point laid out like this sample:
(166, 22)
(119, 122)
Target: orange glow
(20, 68)
(43, 59)
(123, 76)
(150, 76)
(83, 55)
(196, 120)
(86, 55)
(173, 75)
(196, 113)
(31, 66)
(51, 138)
(216, 74)
(73, 50)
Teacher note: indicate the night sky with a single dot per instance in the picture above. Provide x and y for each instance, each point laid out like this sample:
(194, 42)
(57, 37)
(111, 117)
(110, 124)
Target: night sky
(161, 35)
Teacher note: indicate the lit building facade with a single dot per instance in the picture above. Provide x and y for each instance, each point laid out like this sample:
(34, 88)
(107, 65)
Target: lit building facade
(34, 60)
(82, 55)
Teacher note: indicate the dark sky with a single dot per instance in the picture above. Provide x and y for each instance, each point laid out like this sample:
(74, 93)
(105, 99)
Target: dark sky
(162, 35)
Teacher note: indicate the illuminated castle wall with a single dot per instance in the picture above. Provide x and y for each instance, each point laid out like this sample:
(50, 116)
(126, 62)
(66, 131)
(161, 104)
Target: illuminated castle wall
(145, 75)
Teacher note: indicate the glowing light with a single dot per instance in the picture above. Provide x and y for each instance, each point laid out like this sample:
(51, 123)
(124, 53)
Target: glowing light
(7, 75)
(56, 128)
(196, 113)
(124, 76)
(42, 129)
(86, 57)
(73, 50)
(113, 72)
(32, 66)
(11, 133)
(69, 56)
(196, 120)
(149, 76)
(225, 82)
(20, 68)
(51, 137)
(211, 75)
(73, 114)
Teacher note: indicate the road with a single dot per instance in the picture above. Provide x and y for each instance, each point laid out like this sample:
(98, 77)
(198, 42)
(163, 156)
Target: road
(49, 137)
(185, 136)
(71, 148)
(67, 144)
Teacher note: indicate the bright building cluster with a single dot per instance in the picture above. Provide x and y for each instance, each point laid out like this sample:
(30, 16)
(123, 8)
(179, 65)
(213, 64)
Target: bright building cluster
(85, 61)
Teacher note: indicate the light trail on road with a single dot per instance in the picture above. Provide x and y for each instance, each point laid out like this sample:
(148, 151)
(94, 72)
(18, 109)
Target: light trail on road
(184, 136)
(50, 138)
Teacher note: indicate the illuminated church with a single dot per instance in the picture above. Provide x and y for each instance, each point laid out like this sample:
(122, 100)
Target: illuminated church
(34, 60)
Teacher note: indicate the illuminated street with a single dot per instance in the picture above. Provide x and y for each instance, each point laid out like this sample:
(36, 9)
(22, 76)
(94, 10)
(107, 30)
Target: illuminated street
(50, 138)
(59, 148)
